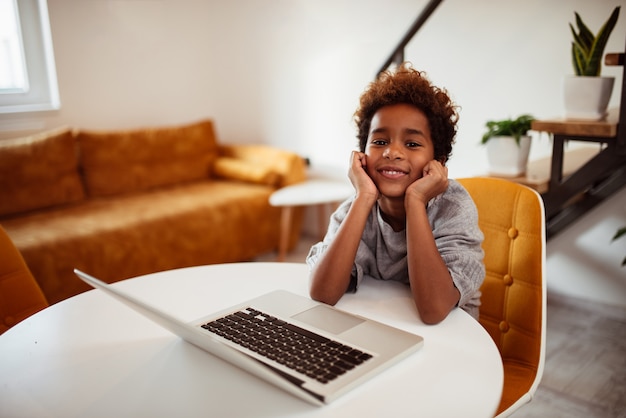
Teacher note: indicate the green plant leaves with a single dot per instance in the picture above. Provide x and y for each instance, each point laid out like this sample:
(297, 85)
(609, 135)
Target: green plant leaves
(508, 127)
(587, 49)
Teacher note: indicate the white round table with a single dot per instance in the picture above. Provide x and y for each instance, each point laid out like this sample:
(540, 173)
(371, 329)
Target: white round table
(315, 191)
(91, 356)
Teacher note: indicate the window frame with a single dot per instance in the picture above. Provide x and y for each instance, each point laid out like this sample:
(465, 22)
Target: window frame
(43, 93)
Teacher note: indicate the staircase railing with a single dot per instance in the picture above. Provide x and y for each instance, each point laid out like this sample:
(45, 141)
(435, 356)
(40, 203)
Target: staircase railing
(397, 55)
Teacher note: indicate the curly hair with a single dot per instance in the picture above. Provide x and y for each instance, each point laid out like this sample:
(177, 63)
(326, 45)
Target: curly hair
(409, 86)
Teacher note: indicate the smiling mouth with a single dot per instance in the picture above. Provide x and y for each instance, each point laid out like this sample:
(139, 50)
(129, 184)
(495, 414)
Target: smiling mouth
(390, 173)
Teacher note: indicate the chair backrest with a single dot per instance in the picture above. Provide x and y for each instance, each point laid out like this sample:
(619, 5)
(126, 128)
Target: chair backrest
(513, 301)
(20, 295)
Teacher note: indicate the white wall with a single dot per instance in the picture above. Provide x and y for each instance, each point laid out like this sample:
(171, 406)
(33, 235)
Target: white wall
(289, 72)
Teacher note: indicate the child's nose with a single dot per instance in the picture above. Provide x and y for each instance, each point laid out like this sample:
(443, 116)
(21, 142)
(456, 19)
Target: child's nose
(393, 151)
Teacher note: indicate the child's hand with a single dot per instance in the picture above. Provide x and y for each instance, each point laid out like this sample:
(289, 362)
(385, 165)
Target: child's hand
(433, 182)
(361, 181)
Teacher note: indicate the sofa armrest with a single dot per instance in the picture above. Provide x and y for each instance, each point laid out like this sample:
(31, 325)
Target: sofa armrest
(261, 164)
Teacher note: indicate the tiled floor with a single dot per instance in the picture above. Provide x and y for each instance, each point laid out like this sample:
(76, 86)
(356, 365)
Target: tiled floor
(585, 370)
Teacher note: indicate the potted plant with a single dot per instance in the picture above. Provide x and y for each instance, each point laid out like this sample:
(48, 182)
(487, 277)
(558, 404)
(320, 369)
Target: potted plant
(587, 94)
(508, 145)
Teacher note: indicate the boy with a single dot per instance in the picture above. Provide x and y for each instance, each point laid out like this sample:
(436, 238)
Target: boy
(407, 221)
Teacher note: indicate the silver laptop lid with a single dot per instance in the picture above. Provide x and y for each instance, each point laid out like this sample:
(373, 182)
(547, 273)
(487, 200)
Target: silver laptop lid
(386, 344)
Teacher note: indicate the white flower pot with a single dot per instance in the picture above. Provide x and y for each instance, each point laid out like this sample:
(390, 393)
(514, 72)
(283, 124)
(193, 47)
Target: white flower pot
(505, 157)
(587, 98)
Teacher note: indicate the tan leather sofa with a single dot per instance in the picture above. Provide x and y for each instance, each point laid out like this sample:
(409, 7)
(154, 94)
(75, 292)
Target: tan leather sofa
(126, 203)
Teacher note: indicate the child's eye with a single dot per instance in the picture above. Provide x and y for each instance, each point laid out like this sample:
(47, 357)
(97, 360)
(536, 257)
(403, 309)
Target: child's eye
(411, 144)
(379, 141)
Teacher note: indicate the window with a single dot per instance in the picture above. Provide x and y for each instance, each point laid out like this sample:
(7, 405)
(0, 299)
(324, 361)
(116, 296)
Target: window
(12, 66)
(27, 73)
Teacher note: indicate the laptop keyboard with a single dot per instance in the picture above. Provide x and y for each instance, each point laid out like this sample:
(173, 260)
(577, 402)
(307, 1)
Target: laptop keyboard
(306, 352)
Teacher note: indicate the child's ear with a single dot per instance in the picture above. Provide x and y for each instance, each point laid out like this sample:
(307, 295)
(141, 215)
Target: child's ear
(443, 160)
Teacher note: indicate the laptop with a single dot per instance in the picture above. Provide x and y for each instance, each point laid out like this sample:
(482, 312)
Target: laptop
(311, 350)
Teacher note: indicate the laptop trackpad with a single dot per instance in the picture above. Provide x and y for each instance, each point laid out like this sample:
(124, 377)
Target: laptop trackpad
(328, 319)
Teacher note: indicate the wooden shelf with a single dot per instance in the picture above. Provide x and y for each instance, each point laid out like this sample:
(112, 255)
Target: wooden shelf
(577, 181)
(574, 127)
(538, 173)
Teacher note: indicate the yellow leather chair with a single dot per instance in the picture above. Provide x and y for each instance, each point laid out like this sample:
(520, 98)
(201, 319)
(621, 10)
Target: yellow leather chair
(20, 295)
(513, 308)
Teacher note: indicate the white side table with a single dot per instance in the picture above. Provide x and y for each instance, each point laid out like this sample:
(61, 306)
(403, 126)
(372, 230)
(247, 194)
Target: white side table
(321, 192)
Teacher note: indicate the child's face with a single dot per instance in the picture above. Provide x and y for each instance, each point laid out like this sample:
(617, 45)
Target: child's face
(398, 147)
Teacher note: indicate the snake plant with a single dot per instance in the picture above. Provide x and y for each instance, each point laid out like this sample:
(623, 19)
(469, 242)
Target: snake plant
(587, 49)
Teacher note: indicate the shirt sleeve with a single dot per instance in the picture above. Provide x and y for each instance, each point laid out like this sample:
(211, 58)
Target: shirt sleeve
(333, 225)
(318, 249)
(454, 221)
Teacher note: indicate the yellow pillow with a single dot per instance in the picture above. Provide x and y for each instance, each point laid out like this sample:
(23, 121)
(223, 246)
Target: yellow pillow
(241, 170)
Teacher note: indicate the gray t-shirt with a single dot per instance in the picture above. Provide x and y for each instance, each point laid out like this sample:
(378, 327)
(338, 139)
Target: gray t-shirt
(382, 252)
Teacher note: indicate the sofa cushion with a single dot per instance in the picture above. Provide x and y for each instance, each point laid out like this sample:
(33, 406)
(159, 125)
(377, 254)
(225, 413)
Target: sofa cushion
(129, 235)
(141, 159)
(241, 170)
(288, 166)
(39, 171)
